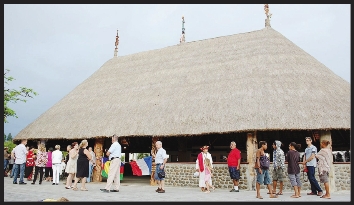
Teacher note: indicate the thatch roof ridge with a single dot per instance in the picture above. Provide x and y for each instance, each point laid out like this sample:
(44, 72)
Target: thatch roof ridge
(257, 80)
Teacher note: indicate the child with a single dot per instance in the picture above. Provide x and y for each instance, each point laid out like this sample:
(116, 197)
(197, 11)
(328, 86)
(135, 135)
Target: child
(208, 175)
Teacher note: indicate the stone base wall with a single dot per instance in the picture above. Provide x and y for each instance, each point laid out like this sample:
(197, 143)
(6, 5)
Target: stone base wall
(181, 175)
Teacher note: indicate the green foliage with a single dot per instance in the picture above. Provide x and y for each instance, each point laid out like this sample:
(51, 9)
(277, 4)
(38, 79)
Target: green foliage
(5, 137)
(13, 96)
(122, 158)
(142, 155)
(10, 145)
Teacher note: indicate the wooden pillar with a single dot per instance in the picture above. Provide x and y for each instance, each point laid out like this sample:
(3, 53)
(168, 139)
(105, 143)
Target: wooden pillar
(326, 135)
(252, 146)
(97, 170)
(182, 149)
(153, 166)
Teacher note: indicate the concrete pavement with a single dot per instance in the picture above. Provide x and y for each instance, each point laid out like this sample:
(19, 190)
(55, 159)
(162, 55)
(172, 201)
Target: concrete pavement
(133, 190)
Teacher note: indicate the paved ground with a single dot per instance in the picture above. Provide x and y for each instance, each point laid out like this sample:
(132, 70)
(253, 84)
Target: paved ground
(133, 190)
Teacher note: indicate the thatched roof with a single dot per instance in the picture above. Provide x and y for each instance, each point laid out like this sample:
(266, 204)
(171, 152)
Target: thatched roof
(258, 80)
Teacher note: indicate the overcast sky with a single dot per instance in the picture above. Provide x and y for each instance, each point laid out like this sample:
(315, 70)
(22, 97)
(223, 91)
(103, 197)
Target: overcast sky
(54, 48)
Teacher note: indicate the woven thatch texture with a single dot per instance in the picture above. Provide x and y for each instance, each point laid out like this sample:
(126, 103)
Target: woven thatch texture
(252, 81)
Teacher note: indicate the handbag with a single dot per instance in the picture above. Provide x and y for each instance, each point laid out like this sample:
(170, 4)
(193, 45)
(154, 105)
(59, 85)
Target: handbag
(161, 174)
(264, 162)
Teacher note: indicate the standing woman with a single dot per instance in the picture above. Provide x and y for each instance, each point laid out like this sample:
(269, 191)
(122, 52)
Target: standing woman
(29, 164)
(82, 169)
(324, 161)
(293, 158)
(40, 162)
(57, 157)
(200, 166)
(11, 163)
(71, 165)
(48, 167)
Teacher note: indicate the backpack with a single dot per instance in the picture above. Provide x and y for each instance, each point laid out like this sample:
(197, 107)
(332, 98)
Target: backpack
(264, 162)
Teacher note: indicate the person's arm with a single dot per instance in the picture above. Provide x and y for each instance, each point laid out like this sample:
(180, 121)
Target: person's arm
(88, 154)
(164, 160)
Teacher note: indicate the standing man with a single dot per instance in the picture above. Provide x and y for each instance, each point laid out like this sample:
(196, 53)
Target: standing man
(160, 160)
(262, 173)
(20, 161)
(114, 153)
(92, 163)
(279, 167)
(310, 162)
(233, 162)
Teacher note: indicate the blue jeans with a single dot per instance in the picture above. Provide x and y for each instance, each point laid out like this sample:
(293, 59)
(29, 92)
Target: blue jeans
(315, 187)
(6, 162)
(90, 173)
(21, 168)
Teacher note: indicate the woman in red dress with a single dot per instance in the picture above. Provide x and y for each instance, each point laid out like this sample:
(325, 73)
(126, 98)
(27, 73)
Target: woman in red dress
(29, 164)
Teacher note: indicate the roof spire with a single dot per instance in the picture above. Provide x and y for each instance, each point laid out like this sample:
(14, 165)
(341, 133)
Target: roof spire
(183, 38)
(116, 44)
(269, 15)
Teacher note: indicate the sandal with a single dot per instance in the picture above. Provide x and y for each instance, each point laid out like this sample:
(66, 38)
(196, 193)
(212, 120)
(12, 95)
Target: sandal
(259, 197)
(75, 188)
(293, 196)
(273, 196)
(326, 197)
(280, 193)
(83, 189)
(311, 193)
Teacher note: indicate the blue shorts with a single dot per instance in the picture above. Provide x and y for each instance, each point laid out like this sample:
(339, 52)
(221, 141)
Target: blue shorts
(234, 173)
(157, 171)
(263, 178)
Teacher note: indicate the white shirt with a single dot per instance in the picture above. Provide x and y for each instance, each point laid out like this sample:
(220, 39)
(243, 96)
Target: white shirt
(20, 154)
(160, 156)
(57, 157)
(115, 150)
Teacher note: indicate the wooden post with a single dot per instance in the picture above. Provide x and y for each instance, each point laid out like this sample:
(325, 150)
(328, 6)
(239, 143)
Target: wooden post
(153, 166)
(97, 170)
(326, 135)
(252, 146)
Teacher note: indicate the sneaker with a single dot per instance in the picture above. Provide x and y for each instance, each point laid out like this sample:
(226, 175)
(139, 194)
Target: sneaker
(237, 190)
(22, 183)
(105, 190)
(158, 189)
(161, 191)
(113, 190)
(233, 190)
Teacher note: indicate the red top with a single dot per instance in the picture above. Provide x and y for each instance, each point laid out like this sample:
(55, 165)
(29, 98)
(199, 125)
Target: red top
(234, 156)
(30, 160)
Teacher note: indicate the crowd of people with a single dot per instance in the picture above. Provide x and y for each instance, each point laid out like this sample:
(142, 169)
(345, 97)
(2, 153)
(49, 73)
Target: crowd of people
(81, 160)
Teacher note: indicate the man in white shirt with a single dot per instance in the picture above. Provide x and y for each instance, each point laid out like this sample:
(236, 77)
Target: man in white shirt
(114, 153)
(20, 161)
(160, 160)
(92, 163)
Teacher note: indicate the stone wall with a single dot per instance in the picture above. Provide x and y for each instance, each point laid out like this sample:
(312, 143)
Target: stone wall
(181, 174)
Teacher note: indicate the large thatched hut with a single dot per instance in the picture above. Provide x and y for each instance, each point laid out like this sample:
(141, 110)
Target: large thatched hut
(243, 87)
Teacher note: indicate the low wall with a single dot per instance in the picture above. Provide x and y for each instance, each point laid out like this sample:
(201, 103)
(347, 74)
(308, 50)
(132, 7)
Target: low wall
(181, 175)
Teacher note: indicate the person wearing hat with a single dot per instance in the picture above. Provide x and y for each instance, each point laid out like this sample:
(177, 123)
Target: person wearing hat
(200, 166)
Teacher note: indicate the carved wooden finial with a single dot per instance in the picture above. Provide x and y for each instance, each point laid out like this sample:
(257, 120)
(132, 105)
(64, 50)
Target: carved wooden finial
(183, 38)
(268, 15)
(116, 44)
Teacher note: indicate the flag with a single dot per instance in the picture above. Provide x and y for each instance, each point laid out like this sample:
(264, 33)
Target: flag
(142, 166)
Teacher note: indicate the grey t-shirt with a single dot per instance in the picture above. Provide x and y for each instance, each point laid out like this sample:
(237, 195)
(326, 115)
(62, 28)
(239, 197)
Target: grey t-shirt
(308, 152)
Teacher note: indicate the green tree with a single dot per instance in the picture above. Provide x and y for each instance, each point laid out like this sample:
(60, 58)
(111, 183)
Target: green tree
(9, 137)
(13, 95)
(142, 155)
(5, 137)
(10, 145)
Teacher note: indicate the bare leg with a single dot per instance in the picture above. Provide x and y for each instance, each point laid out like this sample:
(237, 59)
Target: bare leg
(280, 188)
(296, 195)
(83, 183)
(162, 184)
(159, 183)
(258, 187)
(69, 180)
(327, 189)
(299, 189)
(272, 195)
(274, 187)
(75, 183)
